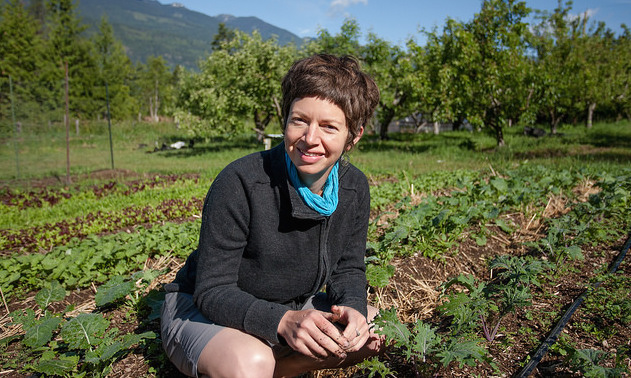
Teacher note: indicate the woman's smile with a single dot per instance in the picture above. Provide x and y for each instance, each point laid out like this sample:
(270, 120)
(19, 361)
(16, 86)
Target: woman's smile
(315, 138)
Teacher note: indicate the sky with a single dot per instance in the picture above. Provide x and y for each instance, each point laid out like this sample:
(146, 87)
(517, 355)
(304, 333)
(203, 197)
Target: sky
(393, 20)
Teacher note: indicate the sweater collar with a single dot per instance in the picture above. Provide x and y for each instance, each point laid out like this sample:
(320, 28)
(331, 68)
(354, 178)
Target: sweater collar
(298, 208)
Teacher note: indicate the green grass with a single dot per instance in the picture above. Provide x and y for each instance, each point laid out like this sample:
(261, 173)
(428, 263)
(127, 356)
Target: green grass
(41, 151)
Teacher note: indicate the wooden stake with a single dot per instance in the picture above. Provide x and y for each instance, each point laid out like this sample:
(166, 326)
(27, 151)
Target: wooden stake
(4, 301)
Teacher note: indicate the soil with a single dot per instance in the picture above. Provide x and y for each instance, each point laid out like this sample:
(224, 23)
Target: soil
(413, 292)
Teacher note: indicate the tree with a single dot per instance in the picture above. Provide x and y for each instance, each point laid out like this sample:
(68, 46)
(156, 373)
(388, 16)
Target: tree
(346, 42)
(224, 36)
(497, 70)
(115, 72)
(552, 41)
(621, 61)
(593, 52)
(154, 82)
(391, 69)
(241, 79)
(65, 45)
(20, 58)
(444, 65)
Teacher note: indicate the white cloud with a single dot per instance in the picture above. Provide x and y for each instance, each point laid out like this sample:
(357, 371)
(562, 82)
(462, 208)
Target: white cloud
(305, 32)
(590, 13)
(339, 5)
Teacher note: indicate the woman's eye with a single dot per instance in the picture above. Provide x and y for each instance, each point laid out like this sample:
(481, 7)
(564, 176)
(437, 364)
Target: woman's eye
(298, 121)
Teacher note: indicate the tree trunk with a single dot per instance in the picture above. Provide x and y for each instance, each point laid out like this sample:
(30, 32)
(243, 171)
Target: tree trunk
(590, 114)
(499, 136)
(279, 113)
(260, 124)
(554, 122)
(156, 104)
(385, 122)
(436, 128)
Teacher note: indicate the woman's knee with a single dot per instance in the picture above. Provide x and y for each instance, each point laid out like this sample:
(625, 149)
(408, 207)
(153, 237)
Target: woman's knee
(232, 353)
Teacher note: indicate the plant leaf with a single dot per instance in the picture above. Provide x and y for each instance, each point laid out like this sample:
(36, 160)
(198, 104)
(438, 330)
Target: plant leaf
(52, 292)
(379, 275)
(58, 367)
(116, 288)
(84, 331)
(41, 332)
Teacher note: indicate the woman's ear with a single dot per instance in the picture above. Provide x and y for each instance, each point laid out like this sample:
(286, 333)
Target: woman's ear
(359, 135)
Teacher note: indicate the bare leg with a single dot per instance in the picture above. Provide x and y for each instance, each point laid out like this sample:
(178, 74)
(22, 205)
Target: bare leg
(232, 353)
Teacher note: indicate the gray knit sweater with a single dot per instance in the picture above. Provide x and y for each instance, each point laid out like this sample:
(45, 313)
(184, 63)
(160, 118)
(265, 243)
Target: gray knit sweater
(262, 251)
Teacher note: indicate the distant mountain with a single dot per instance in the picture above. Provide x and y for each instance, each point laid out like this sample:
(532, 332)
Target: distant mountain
(181, 36)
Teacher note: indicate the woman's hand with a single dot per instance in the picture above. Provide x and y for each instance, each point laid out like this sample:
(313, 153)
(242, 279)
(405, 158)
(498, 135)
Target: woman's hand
(356, 331)
(312, 333)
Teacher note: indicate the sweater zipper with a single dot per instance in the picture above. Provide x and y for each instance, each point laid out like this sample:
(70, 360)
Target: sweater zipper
(324, 237)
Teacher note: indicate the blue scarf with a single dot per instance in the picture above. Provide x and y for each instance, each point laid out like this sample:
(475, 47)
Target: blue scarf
(325, 204)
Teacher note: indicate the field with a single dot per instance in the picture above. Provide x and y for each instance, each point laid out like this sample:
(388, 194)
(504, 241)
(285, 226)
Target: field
(475, 254)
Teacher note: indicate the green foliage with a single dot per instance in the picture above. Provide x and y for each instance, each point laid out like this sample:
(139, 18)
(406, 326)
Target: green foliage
(483, 304)
(378, 275)
(587, 362)
(84, 331)
(80, 345)
(464, 352)
(375, 368)
(436, 225)
(601, 218)
(95, 259)
(241, 79)
(51, 364)
(610, 303)
(51, 292)
(116, 288)
(423, 347)
(20, 59)
(40, 332)
(115, 73)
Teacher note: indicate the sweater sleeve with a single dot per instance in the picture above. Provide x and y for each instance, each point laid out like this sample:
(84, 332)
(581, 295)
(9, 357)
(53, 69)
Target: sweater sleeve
(347, 284)
(223, 238)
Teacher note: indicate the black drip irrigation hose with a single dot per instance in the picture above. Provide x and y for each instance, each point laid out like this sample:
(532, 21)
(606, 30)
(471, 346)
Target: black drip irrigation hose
(552, 337)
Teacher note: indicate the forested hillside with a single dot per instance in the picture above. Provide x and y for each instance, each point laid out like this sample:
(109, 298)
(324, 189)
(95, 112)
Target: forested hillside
(181, 36)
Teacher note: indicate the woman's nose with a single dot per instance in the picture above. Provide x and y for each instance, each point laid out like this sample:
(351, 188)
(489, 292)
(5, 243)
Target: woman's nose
(312, 134)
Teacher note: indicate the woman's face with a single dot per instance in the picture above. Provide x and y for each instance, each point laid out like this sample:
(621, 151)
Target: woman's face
(315, 138)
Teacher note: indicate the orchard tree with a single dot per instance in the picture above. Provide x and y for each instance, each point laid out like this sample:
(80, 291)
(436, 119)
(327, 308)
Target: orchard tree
(553, 41)
(239, 80)
(346, 42)
(621, 61)
(444, 64)
(594, 54)
(497, 70)
(391, 69)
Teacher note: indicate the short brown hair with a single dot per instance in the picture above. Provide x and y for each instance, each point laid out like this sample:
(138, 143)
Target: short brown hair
(336, 79)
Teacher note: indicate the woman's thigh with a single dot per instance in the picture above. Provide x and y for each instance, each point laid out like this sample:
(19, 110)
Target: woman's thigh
(185, 331)
(234, 353)
(197, 346)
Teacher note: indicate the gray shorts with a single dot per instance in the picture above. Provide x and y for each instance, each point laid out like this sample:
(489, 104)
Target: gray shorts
(185, 331)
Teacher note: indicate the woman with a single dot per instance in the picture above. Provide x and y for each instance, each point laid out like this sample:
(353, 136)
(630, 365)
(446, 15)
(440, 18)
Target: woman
(278, 227)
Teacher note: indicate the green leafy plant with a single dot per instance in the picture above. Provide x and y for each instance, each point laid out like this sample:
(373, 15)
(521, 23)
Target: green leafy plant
(485, 304)
(423, 347)
(80, 345)
(588, 363)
